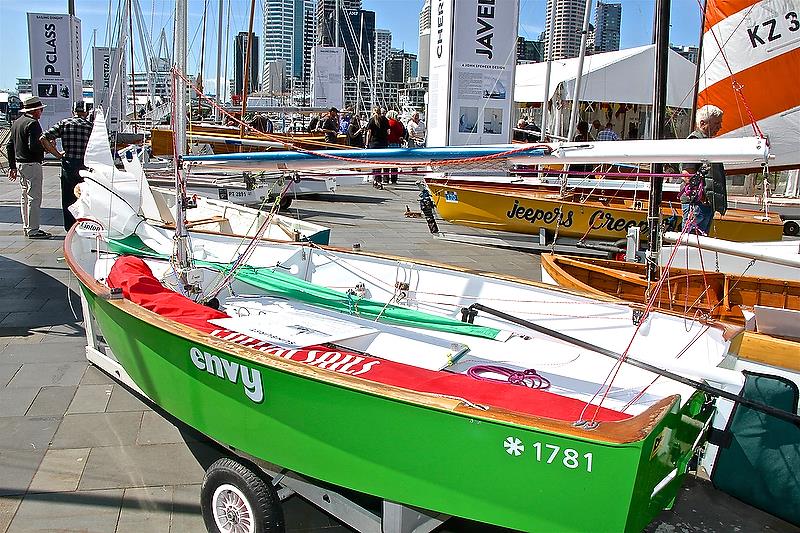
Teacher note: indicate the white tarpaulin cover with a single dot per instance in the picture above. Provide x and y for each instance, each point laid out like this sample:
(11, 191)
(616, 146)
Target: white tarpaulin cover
(625, 76)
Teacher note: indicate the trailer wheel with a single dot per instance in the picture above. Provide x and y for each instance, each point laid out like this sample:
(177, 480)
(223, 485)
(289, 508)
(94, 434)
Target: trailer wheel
(791, 228)
(236, 500)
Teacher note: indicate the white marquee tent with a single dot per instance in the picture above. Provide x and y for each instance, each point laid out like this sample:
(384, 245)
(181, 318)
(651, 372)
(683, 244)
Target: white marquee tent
(625, 76)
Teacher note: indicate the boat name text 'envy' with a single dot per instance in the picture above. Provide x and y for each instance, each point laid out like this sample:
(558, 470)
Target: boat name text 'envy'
(534, 215)
(485, 31)
(222, 368)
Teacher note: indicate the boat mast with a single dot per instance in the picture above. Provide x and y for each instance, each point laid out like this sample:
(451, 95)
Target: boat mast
(179, 128)
(661, 41)
(550, 40)
(246, 74)
(219, 62)
(573, 119)
(129, 12)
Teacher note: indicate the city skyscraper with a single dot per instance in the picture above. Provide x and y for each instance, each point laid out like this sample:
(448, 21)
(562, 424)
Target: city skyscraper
(356, 36)
(383, 44)
(608, 18)
(309, 36)
(425, 39)
(239, 50)
(566, 29)
(289, 34)
(326, 23)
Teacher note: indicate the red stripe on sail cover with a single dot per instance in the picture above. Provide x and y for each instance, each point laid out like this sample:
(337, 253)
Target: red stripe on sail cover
(719, 10)
(138, 284)
(765, 89)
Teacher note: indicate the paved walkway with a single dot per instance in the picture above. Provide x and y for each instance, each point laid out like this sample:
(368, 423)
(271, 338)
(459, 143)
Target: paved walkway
(78, 452)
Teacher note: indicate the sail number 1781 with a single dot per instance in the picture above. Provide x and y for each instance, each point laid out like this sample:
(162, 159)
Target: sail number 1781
(568, 457)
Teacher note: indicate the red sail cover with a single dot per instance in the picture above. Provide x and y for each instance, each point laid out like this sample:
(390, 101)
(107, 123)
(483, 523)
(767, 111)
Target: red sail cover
(138, 284)
(749, 66)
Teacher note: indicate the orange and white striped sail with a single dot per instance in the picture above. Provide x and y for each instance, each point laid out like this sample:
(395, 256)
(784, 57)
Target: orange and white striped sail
(750, 67)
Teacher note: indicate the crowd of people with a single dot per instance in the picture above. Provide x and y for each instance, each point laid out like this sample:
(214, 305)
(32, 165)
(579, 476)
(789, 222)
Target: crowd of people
(702, 193)
(385, 129)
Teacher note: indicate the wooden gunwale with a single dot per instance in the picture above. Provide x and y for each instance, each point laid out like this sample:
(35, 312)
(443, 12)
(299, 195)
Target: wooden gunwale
(754, 346)
(633, 429)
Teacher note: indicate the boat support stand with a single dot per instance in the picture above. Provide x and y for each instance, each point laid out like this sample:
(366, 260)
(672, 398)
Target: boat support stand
(394, 518)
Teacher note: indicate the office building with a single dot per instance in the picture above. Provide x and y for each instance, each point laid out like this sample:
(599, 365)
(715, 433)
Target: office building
(326, 21)
(692, 53)
(607, 21)
(383, 45)
(309, 38)
(357, 37)
(400, 66)
(529, 51)
(425, 39)
(239, 51)
(282, 40)
(566, 29)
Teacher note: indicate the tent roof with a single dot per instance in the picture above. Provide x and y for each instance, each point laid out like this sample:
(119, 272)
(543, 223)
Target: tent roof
(625, 76)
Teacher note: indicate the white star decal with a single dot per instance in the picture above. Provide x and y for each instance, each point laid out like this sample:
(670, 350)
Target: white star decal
(514, 446)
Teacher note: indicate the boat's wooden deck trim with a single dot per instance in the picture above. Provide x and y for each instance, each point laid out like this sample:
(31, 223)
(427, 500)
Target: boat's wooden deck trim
(756, 347)
(626, 431)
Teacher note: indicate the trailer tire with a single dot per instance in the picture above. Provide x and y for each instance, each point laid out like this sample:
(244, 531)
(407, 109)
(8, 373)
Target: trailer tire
(232, 494)
(791, 228)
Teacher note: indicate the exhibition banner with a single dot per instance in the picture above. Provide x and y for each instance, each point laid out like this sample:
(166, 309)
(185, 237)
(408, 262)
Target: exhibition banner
(109, 84)
(327, 80)
(473, 57)
(56, 66)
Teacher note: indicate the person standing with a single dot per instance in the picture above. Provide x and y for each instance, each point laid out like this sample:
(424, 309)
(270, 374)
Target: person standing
(330, 126)
(378, 137)
(25, 156)
(416, 131)
(74, 133)
(608, 134)
(355, 133)
(704, 192)
(397, 134)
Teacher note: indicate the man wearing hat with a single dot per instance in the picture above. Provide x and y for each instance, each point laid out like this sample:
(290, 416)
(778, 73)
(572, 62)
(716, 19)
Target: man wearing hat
(74, 133)
(25, 156)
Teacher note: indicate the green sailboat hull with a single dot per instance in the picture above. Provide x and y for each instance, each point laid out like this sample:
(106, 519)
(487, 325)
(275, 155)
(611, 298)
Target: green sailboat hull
(457, 462)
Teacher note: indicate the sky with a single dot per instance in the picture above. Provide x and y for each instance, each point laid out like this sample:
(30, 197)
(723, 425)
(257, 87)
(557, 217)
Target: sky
(399, 16)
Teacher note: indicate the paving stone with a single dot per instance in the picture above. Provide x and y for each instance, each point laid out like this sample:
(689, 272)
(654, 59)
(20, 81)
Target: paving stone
(48, 374)
(60, 470)
(146, 509)
(17, 468)
(27, 433)
(65, 351)
(8, 507)
(52, 401)
(14, 401)
(97, 429)
(156, 429)
(90, 399)
(124, 400)
(140, 466)
(85, 511)
(7, 372)
(95, 376)
(186, 513)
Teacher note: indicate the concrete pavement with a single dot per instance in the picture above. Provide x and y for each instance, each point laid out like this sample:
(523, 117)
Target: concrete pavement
(78, 452)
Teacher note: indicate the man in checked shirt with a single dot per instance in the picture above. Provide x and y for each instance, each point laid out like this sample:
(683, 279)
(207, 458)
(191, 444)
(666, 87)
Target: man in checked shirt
(74, 133)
